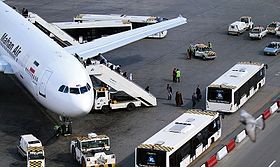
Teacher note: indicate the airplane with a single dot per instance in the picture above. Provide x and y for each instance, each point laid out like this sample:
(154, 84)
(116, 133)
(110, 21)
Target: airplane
(52, 74)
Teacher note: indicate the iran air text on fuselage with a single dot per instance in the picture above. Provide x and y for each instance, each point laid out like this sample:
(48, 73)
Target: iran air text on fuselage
(9, 45)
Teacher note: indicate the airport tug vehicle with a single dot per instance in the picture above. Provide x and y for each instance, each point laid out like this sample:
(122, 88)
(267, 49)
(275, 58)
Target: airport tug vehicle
(203, 51)
(93, 151)
(31, 148)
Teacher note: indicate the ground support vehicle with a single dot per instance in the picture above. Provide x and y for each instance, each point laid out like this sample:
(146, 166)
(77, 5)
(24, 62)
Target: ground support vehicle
(258, 32)
(180, 142)
(115, 89)
(31, 148)
(203, 51)
(272, 49)
(235, 87)
(93, 150)
(106, 100)
(238, 27)
(248, 21)
(272, 27)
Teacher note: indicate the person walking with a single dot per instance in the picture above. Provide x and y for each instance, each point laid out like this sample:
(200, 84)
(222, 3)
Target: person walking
(174, 75)
(169, 91)
(178, 75)
(193, 100)
(180, 99)
(177, 98)
(210, 45)
(198, 93)
(190, 53)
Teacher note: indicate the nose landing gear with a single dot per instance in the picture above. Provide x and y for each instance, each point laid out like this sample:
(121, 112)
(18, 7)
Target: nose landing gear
(65, 127)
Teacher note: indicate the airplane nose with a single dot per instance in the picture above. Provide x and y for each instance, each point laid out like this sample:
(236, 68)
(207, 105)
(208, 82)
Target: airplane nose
(81, 106)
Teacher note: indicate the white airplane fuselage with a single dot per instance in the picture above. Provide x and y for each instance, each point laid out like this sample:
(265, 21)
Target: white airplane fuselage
(43, 66)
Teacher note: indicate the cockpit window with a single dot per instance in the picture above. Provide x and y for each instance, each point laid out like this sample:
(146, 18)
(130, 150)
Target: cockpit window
(61, 88)
(83, 89)
(74, 90)
(66, 90)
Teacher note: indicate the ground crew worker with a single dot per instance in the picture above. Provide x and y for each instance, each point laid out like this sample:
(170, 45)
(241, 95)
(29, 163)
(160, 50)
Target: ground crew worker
(210, 45)
(169, 91)
(174, 74)
(190, 52)
(58, 130)
(178, 75)
(198, 93)
(193, 100)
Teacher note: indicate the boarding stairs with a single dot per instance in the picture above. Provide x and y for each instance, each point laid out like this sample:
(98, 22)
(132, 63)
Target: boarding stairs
(120, 83)
(61, 37)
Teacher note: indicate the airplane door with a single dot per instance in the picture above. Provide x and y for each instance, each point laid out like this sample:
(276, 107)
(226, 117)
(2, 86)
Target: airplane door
(43, 83)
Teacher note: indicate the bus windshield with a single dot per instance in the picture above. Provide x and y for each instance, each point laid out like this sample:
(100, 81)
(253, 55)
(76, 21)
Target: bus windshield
(151, 158)
(219, 95)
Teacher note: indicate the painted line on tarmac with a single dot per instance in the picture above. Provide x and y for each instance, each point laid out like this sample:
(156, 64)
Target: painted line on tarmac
(272, 163)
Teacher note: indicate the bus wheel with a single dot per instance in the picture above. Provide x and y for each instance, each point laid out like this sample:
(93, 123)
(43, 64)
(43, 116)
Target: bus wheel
(83, 163)
(130, 107)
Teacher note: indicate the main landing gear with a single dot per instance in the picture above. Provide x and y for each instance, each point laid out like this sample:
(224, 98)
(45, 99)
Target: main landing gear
(65, 127)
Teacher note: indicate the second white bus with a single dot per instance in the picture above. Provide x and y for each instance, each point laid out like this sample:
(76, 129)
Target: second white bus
(88, 31)
(181, 142)
(136, 21)
(231, 90)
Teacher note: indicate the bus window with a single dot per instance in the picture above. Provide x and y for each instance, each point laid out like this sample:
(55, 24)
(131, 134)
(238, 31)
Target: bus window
(219, 95)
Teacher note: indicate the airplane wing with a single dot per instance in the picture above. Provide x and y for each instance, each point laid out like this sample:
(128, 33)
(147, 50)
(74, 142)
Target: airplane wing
(105, 44)
(5, 66)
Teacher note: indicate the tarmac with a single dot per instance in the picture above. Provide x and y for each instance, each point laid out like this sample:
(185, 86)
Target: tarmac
(151, 61)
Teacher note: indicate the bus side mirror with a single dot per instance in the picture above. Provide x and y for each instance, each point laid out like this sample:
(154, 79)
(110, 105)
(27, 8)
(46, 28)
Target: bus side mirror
(266, 66)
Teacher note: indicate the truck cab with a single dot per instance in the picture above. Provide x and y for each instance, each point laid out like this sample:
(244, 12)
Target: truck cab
(238, 27)
(106, 100)
(248, 21)
(27, 141)
(93, 150)
(31, 148)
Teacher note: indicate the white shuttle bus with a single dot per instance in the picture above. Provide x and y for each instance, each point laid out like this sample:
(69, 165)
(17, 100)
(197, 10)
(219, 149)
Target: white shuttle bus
(180, 142)
(136, 21)
(88, 31)
(231, 90)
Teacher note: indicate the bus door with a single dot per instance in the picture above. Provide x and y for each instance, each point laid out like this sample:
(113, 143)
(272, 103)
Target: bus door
(43, 83)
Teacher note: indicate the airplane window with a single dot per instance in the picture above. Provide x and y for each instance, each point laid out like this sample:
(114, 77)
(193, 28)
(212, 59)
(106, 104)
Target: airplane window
(61, 88)
(83, 89)
(36, 63)
(74, 90)
(88, 86)
(66, 89)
